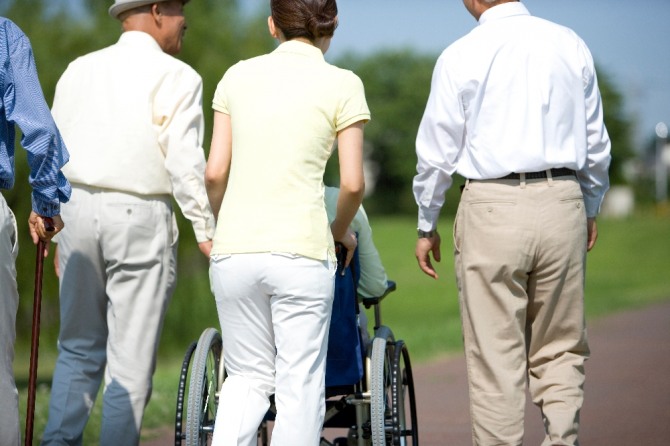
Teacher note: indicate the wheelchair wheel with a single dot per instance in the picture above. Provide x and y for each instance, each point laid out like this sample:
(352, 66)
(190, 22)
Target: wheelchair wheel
(403, 403)
(181, 393)
(380, 386)
(203, 389)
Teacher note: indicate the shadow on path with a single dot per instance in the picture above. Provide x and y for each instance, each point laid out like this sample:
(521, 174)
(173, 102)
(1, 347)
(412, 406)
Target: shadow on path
(627, 389)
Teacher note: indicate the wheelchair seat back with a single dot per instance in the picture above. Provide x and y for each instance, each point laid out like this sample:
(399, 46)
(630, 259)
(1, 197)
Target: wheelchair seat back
(344, 362)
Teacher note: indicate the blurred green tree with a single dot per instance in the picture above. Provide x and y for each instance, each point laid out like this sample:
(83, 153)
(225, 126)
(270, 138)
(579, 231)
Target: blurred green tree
(619, 126)
(397, 83)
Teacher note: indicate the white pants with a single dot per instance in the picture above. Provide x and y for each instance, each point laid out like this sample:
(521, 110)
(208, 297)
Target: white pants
(9, 302)
(117, 257)
(274, 311)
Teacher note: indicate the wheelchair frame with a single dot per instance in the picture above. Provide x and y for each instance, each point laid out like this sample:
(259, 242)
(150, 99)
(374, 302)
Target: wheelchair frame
(379, 410)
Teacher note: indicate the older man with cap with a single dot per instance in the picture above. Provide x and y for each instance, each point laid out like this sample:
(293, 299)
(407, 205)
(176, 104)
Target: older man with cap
(131, 115)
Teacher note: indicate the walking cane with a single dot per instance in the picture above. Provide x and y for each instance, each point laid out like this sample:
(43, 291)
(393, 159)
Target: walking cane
(34, 348)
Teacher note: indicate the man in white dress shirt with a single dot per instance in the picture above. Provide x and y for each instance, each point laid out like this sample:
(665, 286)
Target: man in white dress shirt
(131, 115)
(515, 109)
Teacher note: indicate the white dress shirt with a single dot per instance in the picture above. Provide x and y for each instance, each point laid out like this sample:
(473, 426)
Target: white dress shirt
(131, 116)
(516, 94)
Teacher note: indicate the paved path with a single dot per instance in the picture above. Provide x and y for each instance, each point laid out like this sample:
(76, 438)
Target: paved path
(627, 388)
(627, 392)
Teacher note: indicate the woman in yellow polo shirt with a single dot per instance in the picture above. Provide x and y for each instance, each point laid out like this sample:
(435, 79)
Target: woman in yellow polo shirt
(276, 120)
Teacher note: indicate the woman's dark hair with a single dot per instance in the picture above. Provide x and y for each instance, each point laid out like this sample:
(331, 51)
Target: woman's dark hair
(310, 19)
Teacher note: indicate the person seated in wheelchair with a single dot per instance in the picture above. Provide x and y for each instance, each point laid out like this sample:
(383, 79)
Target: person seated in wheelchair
(372, 280)
(361, 396)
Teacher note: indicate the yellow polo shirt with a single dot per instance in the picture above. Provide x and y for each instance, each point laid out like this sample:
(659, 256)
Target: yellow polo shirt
(286, 108)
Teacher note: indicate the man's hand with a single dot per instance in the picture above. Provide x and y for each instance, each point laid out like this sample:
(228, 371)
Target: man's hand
(205, 248)
(592, 233)
(424, 246)
(56, 261)
(39, 230)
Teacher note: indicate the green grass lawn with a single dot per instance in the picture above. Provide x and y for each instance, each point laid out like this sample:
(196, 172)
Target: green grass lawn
(627, 269)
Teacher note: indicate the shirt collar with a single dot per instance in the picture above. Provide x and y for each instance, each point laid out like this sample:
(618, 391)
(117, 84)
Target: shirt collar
(300, 48)
(503, 11)
(139, 38)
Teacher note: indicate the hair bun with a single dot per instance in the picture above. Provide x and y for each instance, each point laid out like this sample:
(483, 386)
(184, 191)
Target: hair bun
(311, 19)
(320, 25)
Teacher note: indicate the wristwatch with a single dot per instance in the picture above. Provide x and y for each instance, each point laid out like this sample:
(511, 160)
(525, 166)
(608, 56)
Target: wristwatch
(425, 234)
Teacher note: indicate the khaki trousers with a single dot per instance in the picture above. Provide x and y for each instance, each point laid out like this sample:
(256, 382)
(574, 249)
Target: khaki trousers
(520, 250)
(9, 302)
(118, 263)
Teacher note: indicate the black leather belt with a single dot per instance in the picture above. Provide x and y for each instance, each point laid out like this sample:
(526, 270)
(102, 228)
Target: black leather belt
(559, 172)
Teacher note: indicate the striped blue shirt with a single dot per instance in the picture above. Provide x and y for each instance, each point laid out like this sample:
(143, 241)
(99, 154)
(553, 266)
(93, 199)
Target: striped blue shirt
(22, 103)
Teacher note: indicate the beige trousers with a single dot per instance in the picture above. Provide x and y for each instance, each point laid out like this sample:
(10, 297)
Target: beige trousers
(118, 265)
(520, 250)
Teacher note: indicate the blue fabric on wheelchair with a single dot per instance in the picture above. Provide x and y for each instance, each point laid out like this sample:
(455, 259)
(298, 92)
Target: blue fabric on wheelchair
(344, 362)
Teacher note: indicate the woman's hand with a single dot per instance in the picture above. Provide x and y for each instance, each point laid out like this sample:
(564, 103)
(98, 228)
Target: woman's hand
(350, 242)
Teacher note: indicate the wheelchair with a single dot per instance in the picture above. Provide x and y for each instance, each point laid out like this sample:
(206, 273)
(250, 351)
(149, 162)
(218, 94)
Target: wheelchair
(369, 385)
